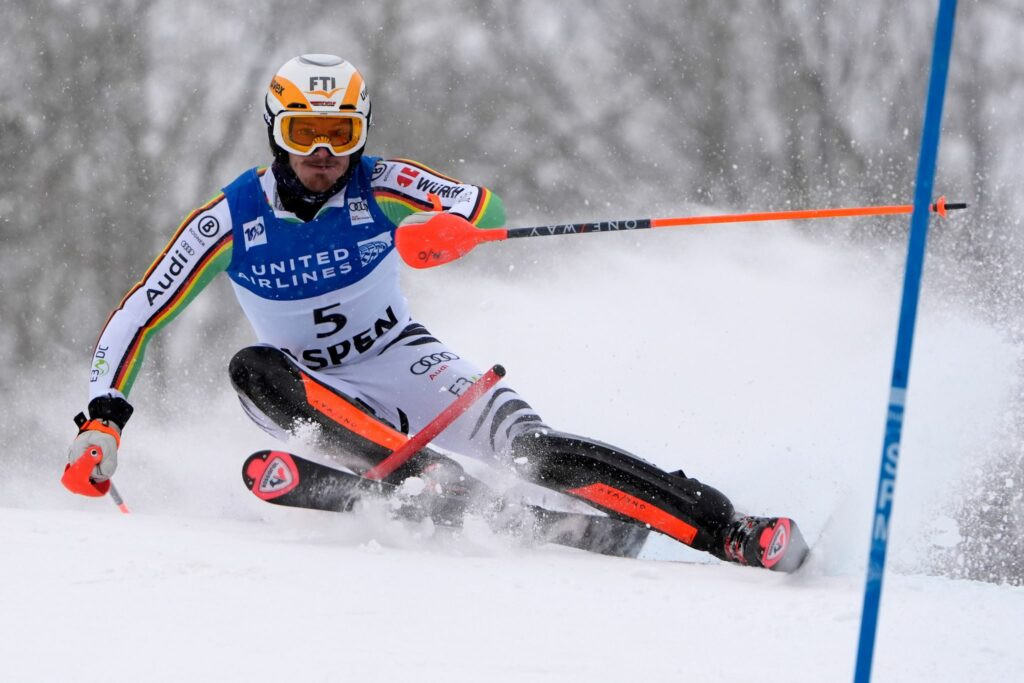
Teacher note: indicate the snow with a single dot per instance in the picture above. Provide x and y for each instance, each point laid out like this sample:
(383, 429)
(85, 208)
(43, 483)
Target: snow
(97, 597)
(754, 357)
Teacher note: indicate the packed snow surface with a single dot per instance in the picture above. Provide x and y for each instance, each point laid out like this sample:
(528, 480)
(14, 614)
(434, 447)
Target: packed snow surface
(753, 357)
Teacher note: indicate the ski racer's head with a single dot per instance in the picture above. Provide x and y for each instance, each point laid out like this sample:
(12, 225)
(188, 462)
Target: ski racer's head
(317, 116)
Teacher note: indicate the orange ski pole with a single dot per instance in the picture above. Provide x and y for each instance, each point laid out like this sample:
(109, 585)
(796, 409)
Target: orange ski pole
(447, 237)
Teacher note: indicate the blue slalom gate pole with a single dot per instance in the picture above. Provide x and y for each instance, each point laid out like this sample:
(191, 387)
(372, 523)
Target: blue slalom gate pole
(905, 337)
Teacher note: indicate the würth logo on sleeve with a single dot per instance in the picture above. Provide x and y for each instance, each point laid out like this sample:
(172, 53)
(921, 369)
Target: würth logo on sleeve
(406, 176)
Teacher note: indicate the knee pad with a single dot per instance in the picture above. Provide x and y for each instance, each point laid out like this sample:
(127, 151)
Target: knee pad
(346, 427)
(281, 389)
(271, 381)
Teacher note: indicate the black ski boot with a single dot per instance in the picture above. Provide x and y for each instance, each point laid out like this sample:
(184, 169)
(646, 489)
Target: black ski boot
(771, 542)
(445, 495)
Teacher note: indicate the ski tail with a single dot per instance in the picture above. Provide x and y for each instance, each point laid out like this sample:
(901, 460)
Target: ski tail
(603, 535)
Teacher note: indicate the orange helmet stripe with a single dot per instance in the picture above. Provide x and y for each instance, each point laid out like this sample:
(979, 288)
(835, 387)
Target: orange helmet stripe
(355, 86)
(286, 92)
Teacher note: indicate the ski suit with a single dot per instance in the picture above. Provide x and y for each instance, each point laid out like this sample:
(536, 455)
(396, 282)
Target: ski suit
(327, 294)
(338, 348)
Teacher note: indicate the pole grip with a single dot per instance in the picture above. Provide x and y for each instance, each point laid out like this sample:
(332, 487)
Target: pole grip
(77, 475)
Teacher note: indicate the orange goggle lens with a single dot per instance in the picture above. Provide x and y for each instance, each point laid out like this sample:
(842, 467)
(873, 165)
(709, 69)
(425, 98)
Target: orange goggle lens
(301, 134)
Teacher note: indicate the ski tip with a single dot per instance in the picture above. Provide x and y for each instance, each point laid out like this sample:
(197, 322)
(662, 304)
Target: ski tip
(270, 474)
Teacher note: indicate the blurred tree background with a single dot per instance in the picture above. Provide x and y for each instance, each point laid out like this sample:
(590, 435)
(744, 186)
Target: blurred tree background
(123, 115)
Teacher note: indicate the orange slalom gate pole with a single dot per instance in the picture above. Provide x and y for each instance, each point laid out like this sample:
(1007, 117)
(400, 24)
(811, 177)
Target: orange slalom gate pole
(423, 437)
(447, 237)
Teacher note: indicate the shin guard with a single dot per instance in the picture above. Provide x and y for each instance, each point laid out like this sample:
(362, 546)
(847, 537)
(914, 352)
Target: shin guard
(625, 486)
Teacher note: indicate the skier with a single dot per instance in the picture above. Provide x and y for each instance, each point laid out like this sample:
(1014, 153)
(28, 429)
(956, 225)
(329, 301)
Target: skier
(308, 245)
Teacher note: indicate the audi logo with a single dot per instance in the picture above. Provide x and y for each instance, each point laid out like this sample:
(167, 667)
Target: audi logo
(423, 365)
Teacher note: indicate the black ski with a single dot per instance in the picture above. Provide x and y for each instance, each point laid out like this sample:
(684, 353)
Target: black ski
(283, 478)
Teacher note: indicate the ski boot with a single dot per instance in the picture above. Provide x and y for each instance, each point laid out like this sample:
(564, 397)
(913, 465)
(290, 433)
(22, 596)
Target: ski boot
(771, 542)
(440, 490)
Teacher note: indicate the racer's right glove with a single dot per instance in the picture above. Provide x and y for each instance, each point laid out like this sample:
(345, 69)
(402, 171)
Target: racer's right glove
(92, 458)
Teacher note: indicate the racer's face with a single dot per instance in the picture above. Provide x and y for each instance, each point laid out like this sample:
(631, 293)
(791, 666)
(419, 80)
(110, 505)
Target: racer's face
(320, 170)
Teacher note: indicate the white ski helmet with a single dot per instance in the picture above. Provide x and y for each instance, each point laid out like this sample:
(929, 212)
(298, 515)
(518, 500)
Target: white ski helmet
(317, 101)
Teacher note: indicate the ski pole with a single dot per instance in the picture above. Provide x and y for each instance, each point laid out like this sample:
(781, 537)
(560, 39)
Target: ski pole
(419, 440)
(115, 496)
(446, 238)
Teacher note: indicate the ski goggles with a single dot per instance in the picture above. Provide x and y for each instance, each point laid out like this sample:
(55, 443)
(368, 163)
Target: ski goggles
(303, 132)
